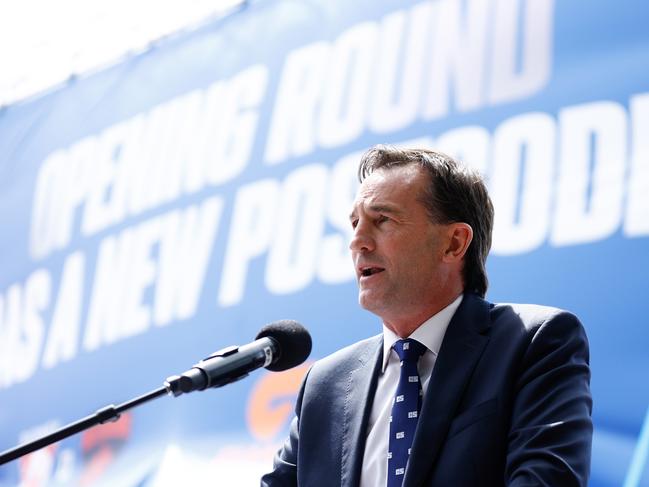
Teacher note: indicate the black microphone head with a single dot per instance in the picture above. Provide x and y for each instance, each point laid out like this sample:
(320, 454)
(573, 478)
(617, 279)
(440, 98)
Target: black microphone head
(293, 341)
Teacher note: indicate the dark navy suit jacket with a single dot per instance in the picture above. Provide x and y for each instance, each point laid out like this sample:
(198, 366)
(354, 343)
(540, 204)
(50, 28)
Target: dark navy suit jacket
(508, 403)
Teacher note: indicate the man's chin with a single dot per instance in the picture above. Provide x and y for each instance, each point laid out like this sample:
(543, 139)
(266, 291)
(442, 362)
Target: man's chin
(370, 301)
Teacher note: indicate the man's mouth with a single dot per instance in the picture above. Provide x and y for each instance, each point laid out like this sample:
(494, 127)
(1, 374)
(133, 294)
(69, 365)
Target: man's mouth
(370, 271)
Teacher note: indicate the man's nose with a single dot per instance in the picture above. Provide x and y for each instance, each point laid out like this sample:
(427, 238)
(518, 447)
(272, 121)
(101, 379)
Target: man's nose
(362, 239)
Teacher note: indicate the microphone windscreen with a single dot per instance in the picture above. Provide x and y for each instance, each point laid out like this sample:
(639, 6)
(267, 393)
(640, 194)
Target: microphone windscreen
(293, 340)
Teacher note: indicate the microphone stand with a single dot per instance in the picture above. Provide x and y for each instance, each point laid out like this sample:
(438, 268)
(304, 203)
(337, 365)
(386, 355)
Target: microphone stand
(106, 414)
(220, 368)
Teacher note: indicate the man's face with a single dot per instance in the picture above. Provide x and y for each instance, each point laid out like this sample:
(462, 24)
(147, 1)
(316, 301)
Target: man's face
(397, 250)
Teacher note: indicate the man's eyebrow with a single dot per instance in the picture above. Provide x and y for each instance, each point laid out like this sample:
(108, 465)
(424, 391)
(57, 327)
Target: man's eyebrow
(379, 208)
(385, 208)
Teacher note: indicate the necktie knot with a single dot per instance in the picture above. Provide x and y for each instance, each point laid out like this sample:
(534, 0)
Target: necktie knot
(409, 350)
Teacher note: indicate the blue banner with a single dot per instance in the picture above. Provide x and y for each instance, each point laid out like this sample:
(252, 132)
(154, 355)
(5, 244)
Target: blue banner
(170, 205)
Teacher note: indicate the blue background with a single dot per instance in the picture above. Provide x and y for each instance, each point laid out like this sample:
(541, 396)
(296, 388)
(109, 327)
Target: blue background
(600, 52)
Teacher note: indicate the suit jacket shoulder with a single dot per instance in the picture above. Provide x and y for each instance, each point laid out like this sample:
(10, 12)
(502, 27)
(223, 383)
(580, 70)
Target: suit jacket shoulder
(342, 361)
(509, 395)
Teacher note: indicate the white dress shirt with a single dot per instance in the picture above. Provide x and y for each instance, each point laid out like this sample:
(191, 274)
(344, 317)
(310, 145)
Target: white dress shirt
(430, 334)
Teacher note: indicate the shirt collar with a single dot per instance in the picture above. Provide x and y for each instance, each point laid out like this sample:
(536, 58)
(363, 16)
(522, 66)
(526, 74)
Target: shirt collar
(430, 333)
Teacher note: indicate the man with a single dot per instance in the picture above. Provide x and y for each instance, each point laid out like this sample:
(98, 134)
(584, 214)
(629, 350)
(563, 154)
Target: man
(492, 395)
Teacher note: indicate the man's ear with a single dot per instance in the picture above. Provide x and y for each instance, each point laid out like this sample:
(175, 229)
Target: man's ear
(459, 236)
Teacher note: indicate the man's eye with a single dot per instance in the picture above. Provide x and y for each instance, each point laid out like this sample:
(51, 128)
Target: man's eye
(354, 223)
(381, 219)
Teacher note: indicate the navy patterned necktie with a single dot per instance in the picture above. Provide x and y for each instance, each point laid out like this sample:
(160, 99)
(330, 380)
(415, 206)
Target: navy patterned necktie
(405, 410)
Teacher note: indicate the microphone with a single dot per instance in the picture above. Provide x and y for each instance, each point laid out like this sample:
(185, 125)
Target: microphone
(278, 346)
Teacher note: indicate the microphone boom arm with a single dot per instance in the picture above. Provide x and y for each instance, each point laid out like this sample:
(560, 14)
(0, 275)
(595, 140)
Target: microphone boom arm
(106, 414)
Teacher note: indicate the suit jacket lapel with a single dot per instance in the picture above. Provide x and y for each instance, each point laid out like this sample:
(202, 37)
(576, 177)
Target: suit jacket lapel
(360, 391)
(461, 348)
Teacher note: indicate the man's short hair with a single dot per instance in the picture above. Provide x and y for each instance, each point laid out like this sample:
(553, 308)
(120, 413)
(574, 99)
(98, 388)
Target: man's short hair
(456, 193)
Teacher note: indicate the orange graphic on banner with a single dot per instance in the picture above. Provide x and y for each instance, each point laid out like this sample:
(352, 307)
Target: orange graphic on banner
(99, 445)
(272, 400)
(107, 432)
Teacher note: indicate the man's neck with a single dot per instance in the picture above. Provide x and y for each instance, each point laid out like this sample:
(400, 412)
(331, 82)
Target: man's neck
(405, 326)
